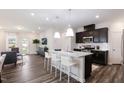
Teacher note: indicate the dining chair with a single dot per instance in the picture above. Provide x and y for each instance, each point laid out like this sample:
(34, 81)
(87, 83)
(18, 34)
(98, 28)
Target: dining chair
(18, 54)
(55, 62)
(2, 58)
(66, 64)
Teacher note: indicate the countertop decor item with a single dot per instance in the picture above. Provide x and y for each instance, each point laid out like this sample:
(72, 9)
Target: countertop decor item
(97, 47)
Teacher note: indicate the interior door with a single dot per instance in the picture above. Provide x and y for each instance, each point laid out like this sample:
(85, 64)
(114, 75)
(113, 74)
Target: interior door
(115, 48)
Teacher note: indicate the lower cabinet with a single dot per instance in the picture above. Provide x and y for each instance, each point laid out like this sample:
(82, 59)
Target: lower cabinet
(88, 66)
(100, 57)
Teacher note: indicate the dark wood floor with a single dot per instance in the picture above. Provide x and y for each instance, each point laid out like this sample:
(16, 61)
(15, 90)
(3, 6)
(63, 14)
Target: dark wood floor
(32, 71)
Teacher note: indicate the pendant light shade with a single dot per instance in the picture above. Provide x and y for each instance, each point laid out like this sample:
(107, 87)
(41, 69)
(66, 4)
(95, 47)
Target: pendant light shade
(70, 32)
(56, 35)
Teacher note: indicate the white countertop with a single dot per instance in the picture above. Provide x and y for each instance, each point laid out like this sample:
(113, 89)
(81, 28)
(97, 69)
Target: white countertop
(73, 53)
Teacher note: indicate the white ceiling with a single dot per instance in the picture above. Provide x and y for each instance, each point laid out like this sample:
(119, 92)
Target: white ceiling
(11, 19)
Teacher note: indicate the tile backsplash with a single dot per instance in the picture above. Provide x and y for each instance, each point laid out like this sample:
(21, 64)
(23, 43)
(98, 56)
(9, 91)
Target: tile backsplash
(103, 46)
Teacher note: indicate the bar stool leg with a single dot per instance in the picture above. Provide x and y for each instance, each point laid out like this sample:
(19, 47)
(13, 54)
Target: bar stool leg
(55, 72)
(68, 74)
(51, 69)
(44, 62)
(60, 74)
(48, 64)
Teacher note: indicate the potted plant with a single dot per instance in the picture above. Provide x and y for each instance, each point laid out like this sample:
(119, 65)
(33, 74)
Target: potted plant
(36, 41)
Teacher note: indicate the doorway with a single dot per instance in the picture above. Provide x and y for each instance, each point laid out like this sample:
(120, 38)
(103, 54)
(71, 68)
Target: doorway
(25, 46)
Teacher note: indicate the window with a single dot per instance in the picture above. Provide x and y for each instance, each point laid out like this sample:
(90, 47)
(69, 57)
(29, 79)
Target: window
(24, 46)
(11, 41)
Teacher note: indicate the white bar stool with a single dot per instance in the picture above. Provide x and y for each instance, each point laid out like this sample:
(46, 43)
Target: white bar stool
(47, 61)
(55, 62)
(67, 62)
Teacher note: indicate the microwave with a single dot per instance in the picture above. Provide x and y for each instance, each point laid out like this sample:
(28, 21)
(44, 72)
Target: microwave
(88, 39)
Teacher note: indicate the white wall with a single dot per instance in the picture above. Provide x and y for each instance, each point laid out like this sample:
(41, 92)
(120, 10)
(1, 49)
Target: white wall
(49, 35)
(2, 41)
(54, 43)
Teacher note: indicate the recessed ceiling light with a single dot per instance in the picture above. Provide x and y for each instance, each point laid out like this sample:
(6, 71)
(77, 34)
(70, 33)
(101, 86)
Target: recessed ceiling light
(32, 14)
(69, 25)
(47, 18)
(19, 27)
(1, 27)
(39, 28)
(97, 16)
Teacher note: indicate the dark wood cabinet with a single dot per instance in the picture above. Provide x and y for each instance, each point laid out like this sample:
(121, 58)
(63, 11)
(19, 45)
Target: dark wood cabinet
(88, 66)
(80, 35)
(103, 35)
(100, 57)
(100, 35)
(96, 36)
(89, 27)
(90, 33)
(79, 38)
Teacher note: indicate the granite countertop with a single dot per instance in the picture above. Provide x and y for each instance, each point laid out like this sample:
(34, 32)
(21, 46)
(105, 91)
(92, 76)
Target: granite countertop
(74, 53)
(81, 54)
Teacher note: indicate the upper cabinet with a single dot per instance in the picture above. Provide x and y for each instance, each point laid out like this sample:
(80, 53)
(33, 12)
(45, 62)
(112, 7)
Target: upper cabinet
(96, 36)
(88, 33)
(103, 35)
(79, 37)
(99, 35)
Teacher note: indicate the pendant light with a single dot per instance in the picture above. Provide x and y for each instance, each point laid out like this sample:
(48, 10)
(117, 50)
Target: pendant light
(70, 31)
(57, 34)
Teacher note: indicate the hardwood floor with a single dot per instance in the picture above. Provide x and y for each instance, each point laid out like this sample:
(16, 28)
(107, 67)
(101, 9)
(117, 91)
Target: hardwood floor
(32, 71)
(107, 74)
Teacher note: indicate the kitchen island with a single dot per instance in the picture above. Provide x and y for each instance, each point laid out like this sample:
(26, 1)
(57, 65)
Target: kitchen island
(83, 69)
